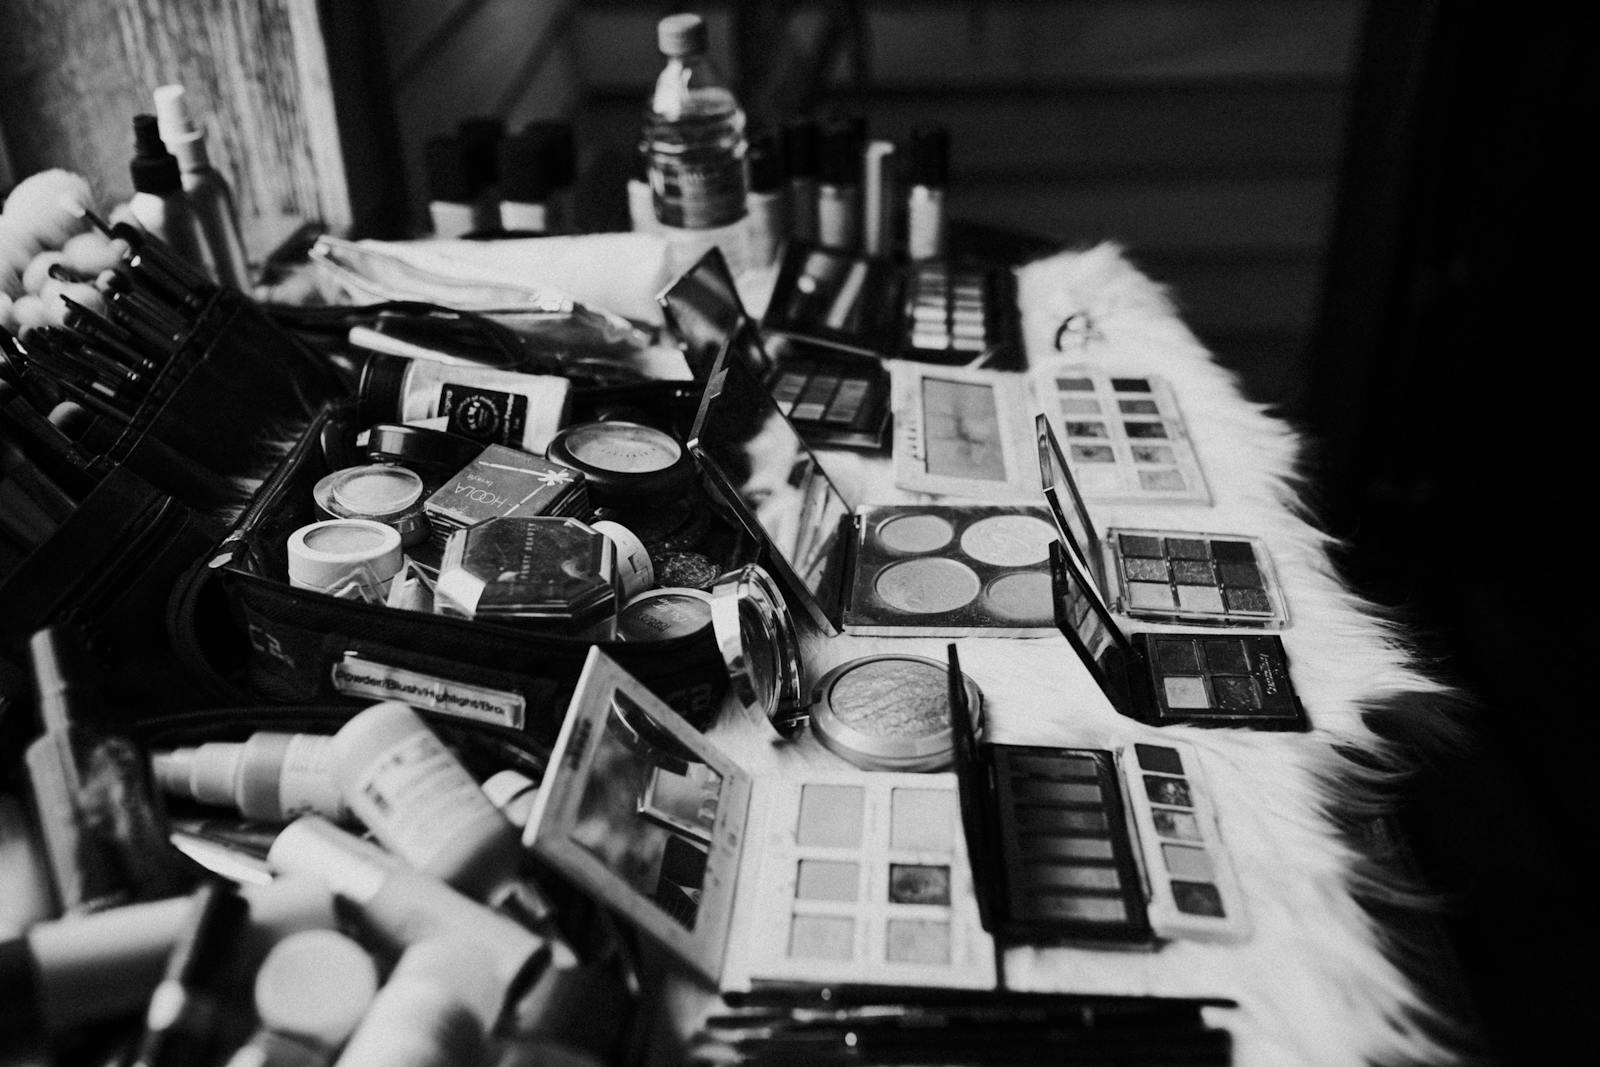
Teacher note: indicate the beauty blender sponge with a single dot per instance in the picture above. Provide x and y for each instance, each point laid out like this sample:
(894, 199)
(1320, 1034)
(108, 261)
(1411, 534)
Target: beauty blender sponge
(40, 205)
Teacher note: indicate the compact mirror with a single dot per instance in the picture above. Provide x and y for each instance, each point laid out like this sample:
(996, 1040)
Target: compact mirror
(759, 644)
(702, 309)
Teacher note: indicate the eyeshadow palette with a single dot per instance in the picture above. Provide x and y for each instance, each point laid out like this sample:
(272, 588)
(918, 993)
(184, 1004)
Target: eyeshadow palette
(958, 313)
(1162, 575)
(858, 879)
(1078, 844)
(836, 398)
(1193, 891)
(957, 432)
(833, 298)
(896, 570)
(1205, 679)
(1126, 439)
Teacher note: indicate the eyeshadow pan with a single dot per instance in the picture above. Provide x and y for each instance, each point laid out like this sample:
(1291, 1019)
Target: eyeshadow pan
(1236, 694)
(917, 941)
(1198, 898)
(1138, 407)
(1247, 600)
(1185, 691)
(1159, 758)
(1087, 429)
(1224, 655)
(1079, 405)
(915, 532)
(1162, 479)
(1143, 430)
(1176, 657)
(1052, 846)
(823, 937)
(1075, 907)
(927, 585)
(830, 815)
(919, 883)
(1233, 551)
(1188, 862)
(1187, 548)
(1150, 595)
(1173, 792)
(1200, 598)
(1041, 791)
(1153, 454)
(1130, 385)
(1139, 545)
(1193, 572)
(1045, 767)
(1075, 385)
(1146, 570)
(1021, 595)
(827, 880)
(1177, 825)
(1093, 453)
(922, 819)
(1065, 876)
(1061, 820)
(1245, 575)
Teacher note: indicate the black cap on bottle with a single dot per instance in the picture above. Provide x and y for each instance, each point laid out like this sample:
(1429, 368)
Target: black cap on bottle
(802, 148)
(19, 989)
(537, 162)
(480, 138)
(379, 390)
(559, 143)
(765, 159)
(843, 140)
(154, 169)
(930, 156)
(446, 174)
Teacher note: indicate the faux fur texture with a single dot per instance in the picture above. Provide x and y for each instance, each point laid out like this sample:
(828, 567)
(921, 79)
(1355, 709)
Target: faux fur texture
(1320, 982)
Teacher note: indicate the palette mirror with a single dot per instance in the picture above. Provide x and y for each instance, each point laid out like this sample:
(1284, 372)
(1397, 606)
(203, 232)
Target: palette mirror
(901, 570)
(1161, 575)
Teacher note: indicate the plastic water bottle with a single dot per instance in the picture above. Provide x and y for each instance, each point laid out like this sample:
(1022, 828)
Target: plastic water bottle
(694, 147)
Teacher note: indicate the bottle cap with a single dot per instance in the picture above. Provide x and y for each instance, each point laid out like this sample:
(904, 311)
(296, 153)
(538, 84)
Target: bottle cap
(765, 159)
(560, 146)
(682, 35)
(172, 116)
(537, 162)
(433, 454)
(315, 985)
(380, 387)
(153, 168)
(930, 156)
(842, 142)
(802, 148)
(447, 178)
(479, 140)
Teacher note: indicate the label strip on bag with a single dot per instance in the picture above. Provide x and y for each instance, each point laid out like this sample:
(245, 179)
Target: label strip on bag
(357, 676)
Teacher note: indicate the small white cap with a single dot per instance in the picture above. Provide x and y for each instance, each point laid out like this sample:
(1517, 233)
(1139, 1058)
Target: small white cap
(683, 34)
(513, 793)
(172, 114)
(334, 551)
(173, 770)
(315, 985)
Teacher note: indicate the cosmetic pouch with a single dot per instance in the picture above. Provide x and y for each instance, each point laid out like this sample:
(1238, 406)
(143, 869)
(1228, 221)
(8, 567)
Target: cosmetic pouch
(248, 636)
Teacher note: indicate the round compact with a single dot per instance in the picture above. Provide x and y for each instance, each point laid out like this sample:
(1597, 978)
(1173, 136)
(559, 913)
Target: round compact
(927, 585)
(664, 614)
(689, 569)
(335, 553)
(1009, 540)
(624, 463)
(633, 559)
(381, 492)
(888, 713)
(435, 455)
(759, 646)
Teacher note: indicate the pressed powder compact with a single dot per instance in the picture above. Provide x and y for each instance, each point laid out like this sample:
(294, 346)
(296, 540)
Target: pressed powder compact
(887, 713)
(1204, 679)
(1162, 575)
(345, 557)
(896, 570)
(856, 880)
(625, 464)
(381, 492)
(1085, 844)
(541, 571)
(836, 399)
(504, 482)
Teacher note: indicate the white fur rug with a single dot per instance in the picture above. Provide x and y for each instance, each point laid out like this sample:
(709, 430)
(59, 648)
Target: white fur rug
(1318, 983)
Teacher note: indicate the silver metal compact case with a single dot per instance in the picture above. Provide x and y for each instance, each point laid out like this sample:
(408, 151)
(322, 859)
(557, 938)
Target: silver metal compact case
(889, 712)
(381, 492)
(760, 646)
(664, 614)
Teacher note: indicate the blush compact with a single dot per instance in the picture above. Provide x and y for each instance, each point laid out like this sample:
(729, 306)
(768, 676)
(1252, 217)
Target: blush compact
(625, 464)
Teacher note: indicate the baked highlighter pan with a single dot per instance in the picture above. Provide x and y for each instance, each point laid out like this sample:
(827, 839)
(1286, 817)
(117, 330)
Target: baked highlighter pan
(1162, 575)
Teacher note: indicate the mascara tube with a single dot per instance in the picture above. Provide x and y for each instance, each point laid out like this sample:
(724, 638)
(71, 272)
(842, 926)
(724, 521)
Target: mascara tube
(926, 228)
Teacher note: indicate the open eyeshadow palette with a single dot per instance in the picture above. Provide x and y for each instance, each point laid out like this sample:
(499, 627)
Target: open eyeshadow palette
(957, 432)
(1126, 439)
(1083, 844)
(835, 398)
(1162, 575)
(1203, 679)
(897, 570)
(933, 311)
(859, 879)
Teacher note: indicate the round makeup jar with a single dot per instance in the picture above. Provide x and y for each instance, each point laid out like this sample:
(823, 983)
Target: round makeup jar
(889, 712)
(339, 553)
(435, 455)
(634, 568)
(381, 492)
(627, 465)
(664, 614)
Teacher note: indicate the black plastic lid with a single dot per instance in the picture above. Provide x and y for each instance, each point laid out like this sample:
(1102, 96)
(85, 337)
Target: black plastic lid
(380, 387)
(930, 156)
(19, 989)
(559, 141)
(802, 148)
(765, 159)
(154, 169)
(447, 179)
(843, 140)
(479, 138)
(419, 446)
(537, 162)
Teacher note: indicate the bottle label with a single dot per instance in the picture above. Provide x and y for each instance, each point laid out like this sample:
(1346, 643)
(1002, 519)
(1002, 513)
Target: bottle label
(699, 195)
(484, 414)
(418, 799)
(307, 785)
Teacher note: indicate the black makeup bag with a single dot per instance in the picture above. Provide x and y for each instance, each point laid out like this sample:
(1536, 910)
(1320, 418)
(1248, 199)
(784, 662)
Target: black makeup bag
(248, 636)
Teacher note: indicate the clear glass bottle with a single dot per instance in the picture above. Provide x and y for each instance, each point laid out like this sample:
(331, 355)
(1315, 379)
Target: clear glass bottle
(694, 142)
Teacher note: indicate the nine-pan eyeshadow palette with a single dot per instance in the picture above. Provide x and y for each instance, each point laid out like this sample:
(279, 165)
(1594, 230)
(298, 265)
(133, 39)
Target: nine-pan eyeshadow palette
(1193, 891)
(1126, 439)
(958, 312)
(839, 402)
